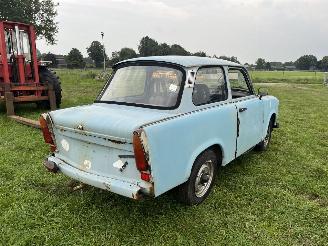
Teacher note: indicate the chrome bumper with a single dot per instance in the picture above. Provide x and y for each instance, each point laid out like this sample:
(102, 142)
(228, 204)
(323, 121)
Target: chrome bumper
(117, 186)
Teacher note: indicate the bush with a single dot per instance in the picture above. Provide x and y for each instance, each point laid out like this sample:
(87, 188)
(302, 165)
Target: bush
(89, 75)
(104, 75)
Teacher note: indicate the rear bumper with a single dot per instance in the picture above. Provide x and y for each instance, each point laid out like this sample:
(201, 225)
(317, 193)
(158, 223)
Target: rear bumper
(117, 186)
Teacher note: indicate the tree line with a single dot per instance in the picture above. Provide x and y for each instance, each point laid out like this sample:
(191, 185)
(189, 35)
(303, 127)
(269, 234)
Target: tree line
(147, 47)
(150, 47)
(305, 62)
(42, 13)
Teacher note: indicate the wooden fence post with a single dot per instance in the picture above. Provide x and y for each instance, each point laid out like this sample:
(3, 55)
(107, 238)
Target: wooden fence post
(9, 98)
(52, 97)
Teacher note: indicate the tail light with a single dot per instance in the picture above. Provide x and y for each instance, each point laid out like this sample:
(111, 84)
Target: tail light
(47, 134)
(145, 176)
(140, 156)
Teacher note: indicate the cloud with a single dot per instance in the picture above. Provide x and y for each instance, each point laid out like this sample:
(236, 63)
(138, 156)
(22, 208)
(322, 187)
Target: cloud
(273, 29)
(152, 8)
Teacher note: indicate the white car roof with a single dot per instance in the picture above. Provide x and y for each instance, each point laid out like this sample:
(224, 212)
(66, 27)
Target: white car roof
(184, 61)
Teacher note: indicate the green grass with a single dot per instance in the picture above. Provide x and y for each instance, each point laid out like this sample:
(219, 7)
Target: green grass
(279, 197)
(299, 77)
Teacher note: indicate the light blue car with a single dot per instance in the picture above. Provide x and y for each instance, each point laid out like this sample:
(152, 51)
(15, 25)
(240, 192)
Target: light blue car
(161, 123)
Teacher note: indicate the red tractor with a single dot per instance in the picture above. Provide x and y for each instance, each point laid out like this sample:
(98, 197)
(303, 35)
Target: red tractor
(24, 79)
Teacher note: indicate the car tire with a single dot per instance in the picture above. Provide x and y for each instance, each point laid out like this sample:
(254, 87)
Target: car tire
(264, 145)
(201, 180)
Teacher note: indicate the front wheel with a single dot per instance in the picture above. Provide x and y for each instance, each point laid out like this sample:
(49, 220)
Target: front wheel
(201, 179)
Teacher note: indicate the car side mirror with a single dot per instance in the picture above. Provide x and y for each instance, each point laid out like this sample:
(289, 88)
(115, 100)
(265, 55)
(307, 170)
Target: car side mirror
(261, 92)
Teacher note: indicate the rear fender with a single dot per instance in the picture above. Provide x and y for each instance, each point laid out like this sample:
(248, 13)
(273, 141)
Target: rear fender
(271, 105)
(200, 150)
(175, 143)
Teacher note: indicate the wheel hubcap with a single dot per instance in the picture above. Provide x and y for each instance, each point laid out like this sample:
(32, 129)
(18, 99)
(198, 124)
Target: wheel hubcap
(204, 178)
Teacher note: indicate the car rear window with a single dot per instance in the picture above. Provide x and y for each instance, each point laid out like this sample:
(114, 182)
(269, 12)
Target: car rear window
(150, 85)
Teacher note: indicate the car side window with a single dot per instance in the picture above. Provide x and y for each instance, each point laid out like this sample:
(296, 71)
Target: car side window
(210, 86)
(238, 84)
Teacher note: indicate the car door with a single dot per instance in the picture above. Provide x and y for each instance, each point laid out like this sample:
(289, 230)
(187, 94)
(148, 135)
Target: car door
(249, 111)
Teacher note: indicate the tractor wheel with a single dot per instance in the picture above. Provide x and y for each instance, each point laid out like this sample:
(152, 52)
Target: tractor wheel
(47, 76)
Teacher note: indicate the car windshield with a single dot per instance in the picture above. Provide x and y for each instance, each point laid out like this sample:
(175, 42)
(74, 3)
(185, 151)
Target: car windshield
(156, 86)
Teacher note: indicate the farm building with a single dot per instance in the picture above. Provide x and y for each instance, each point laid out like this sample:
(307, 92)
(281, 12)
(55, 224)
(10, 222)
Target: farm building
(61, 63)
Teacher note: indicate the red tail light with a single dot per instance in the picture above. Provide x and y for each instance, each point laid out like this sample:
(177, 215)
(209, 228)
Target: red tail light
(145, 176)
(47, 135)
(139, 152)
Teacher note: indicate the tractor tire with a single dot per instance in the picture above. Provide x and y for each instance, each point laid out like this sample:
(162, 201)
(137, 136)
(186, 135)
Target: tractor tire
(47, 76)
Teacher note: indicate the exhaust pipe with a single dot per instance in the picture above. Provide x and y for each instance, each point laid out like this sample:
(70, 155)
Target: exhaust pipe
(51, 166)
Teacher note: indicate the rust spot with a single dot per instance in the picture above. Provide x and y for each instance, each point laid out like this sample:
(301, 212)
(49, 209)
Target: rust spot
(116, 141)
(137, 196)
(107, 186)
(151, 190)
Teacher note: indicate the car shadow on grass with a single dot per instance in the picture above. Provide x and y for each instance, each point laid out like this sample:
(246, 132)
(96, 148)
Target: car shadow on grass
(103, 200)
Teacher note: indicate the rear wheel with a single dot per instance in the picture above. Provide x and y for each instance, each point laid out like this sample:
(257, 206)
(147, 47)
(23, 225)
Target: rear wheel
(201, 179)
(47, 76)
(264, 144)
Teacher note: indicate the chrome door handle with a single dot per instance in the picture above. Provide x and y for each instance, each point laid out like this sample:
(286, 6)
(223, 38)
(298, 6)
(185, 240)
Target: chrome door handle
(242, 110)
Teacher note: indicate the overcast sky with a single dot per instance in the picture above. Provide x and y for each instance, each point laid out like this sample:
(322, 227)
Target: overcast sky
(277, 30)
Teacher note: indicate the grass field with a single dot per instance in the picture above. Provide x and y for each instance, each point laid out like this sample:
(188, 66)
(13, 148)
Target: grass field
(279, 197)
(299, 77)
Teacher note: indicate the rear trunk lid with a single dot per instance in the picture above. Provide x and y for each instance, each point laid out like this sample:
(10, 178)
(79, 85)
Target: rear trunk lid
(98, 138)
(117, 121)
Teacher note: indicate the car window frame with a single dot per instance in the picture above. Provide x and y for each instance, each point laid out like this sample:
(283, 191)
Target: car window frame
(246, 77)
(225, 82)
(145, 63)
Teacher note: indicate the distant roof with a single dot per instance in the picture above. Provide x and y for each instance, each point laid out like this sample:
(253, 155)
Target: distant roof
(185, 61)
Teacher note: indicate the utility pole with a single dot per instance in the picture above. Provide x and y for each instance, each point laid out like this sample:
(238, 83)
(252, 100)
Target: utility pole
(102, 37)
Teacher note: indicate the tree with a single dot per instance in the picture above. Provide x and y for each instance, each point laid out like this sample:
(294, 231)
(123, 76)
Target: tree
(268, 66)
(50, 57)
(200, 53)
(75, 59)
(232, 59)
(306, 62)
(40, 13)
(178, 50)
(164, 49)
(89, 63)
(127, 53)
(115, 58)
(260, 63)
(224, 58)
(148, 47)
(95, 52)
(123, 54)
(38, 54)
(324, 63)
(290, 63)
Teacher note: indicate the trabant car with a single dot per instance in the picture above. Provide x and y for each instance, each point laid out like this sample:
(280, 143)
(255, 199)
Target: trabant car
(161, 123)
